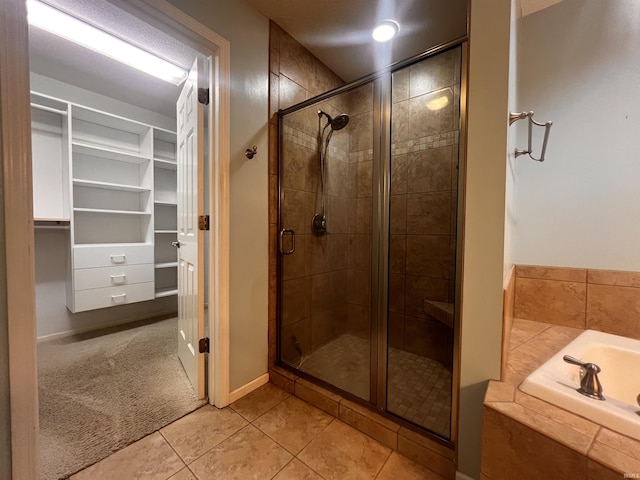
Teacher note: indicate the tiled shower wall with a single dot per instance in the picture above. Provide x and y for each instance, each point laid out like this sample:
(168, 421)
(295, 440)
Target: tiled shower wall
(424, 173)
(296, 75)
(328, 279)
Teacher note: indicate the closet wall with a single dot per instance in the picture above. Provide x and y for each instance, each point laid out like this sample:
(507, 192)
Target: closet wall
(52, 247)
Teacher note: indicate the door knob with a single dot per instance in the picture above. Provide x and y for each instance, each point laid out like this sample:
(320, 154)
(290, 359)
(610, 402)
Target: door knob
(176, 244)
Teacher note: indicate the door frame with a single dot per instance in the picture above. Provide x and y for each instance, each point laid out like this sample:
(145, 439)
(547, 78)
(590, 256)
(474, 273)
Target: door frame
(16, 177)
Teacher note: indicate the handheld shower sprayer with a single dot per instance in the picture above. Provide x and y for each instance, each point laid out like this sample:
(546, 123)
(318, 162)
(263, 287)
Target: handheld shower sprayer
(319, 222)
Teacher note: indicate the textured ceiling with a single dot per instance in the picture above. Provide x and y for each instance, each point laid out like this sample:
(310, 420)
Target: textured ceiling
(57, 58)
(338, 32)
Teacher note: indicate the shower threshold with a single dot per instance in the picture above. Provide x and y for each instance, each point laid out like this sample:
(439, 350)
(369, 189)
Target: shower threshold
(419, 388)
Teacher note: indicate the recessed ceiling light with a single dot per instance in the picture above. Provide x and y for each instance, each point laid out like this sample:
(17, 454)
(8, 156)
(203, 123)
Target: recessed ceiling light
(65, 26)
(385, 31)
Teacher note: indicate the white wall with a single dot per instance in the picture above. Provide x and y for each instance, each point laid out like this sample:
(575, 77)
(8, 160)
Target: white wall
(578, 67)
(510, 187)
(248, 33)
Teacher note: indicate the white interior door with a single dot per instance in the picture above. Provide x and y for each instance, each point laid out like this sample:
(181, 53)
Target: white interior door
(190, 120)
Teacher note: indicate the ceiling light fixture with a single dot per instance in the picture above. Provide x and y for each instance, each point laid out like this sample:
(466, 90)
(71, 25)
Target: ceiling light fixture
(59, 23)
(385, 31)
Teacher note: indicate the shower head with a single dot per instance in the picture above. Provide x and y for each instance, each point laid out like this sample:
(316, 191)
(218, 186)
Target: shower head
(337, 123)
(340, 121)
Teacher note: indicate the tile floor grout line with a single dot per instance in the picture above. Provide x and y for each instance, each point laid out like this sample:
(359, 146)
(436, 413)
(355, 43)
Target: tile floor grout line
(295, 455)
(174, 451)
(217, 444)
(309, 467)
(263, 413)
(383, 464)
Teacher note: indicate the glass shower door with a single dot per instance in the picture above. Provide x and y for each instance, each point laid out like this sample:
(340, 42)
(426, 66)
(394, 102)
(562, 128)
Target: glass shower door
(425, 106)
(326, 162)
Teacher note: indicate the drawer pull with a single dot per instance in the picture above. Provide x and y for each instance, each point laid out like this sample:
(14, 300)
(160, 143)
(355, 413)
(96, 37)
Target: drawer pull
(118, 258)
(121, 298)
(118, 279)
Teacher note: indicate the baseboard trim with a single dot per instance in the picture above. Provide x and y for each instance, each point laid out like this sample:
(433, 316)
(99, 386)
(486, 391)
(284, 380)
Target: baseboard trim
(248, 388)
(114, 323)
(462, 476)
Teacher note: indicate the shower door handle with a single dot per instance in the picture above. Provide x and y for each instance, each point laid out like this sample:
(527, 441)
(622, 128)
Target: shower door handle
(292, 234)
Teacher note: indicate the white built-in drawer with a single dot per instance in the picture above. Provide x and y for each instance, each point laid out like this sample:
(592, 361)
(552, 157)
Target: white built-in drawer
(87, 256)
(100, 277)
(113, 296)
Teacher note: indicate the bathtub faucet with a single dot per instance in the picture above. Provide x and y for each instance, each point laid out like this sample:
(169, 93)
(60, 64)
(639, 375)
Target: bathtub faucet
(589, 384)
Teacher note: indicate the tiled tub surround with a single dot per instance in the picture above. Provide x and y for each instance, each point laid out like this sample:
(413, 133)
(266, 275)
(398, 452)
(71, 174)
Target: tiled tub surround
(604, 300)
(527, 438)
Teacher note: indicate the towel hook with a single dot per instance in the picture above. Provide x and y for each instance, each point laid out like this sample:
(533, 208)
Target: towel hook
(514, 117)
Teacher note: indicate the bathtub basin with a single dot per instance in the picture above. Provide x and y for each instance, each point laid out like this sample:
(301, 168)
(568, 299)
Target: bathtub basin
(619, 358)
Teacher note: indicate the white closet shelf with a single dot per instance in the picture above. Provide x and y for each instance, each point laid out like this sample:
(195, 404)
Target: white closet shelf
(166, 232)
(166, 265)
(48, 109)
(110, 212)
(111, 244)
(165, 204)
(109, 186)
(109, 153)
(166, 292)
(166, 163)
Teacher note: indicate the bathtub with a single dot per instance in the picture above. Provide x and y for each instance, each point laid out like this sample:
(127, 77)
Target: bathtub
(556, 381)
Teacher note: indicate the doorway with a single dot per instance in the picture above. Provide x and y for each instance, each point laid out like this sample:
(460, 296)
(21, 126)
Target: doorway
(217, 110)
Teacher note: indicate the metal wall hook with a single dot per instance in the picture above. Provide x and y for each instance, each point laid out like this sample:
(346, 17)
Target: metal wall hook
(514, 117)
(250, 152)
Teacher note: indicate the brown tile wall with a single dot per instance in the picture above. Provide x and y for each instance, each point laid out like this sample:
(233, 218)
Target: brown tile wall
(315, 276)
(604, 300)
(423, 203)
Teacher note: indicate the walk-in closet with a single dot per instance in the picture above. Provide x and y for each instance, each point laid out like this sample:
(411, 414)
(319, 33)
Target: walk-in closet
(105, 207)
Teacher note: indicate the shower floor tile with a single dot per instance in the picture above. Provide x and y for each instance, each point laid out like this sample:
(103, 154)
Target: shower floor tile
(419, 388)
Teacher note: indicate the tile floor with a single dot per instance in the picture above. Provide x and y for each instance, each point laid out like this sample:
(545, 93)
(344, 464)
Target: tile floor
(266, 434)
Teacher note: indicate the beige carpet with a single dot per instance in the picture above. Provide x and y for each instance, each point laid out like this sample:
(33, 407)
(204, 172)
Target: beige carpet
(104, 390)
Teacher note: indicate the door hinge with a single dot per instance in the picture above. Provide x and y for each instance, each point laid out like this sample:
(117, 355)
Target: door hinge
(203, 96)
(203, 345)
(203, 222)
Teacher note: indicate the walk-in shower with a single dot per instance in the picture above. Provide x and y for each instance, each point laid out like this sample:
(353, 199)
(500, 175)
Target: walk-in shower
(319, 221)
(368, 221)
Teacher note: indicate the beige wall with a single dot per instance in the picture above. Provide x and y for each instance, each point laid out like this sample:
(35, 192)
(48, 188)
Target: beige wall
(5, 412)
(484, 219)
(248, 33)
